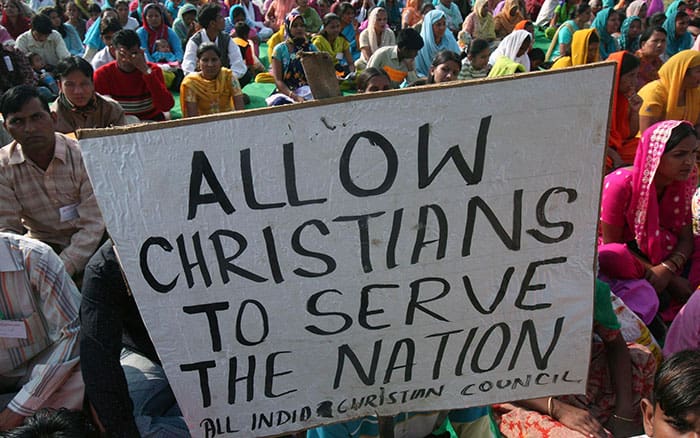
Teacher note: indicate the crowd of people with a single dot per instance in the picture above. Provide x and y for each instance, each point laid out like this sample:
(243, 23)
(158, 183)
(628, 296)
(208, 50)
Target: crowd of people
(74, 352)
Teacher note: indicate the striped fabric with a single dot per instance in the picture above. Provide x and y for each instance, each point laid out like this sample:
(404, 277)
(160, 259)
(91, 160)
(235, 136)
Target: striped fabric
(35, 288)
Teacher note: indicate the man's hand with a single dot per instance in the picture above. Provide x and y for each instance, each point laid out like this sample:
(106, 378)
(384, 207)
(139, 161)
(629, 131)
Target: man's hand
(10, 419)
(138, 59)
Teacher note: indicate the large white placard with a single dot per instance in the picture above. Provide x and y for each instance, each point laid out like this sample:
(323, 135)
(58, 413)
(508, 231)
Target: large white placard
(412, 251)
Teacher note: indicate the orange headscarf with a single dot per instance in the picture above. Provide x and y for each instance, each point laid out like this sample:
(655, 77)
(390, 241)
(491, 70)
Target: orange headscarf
(506, 20)
(619, 125)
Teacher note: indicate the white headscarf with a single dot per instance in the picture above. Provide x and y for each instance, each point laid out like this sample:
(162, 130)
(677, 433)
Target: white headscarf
(510, 46)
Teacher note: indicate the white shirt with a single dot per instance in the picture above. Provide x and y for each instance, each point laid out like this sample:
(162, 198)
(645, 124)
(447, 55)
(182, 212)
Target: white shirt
(189, 62)
(101, 58)
(38, 4)
(132, 24)
(52, 50)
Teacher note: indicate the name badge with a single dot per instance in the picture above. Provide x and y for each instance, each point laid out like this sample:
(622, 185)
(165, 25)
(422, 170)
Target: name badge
(339, 56)
(69, 212)
(13, 329)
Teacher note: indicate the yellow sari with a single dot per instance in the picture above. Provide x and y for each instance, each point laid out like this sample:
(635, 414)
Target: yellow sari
(661, 96)
(211, 96)
(579, 51)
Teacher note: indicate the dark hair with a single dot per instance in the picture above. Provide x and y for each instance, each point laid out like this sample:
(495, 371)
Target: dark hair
(581, 8)
(329, 17)
(681, 14)
(16, 97)
(409, 38)
(238, 12)
(41, 24)
(208, 13)
(679, 133)
(68, 65)
(676, 388)
(427, 7)
(94, 7)
(126, 38)
(594, 38)
(32, 55)
(536, 54)
(629, 63)
(367, 75)
(48, 10)
(110, 24)
(119, 2)
(205, 47)
(242, 30)
(51, 423)
(442, 57)
(656, 19)
(344, 7)
(477, 46)
(648, 32)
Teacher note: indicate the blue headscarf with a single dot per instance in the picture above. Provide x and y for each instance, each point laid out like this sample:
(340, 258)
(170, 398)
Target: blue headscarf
(92, 36)
(236, 7)
(430, 48)
(675, 44)
(624, 42)
(608, 44)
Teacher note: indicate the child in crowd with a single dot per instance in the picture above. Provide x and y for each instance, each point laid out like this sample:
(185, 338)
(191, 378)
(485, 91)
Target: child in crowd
(94, 11)
(476, 64)
(251, 61)
(163, 53)
(372, 80)
(536, 56)
(48, 89)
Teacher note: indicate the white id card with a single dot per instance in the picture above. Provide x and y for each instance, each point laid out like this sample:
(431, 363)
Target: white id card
(13, 329)
(69, 212)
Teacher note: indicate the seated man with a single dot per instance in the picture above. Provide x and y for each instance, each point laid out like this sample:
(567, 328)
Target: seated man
(399, 61)
(44, 188)
(124, 381)
(42, 39)
(39, 360)
(78, 106)
(136, 84)
(209, 17)
(108, 27)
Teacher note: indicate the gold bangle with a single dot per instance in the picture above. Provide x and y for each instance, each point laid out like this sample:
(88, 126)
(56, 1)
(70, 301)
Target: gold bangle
(550, 405)
(665, 265)
(621, 418)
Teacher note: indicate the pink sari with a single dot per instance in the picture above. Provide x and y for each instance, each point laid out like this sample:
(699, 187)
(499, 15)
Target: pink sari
(630, 200)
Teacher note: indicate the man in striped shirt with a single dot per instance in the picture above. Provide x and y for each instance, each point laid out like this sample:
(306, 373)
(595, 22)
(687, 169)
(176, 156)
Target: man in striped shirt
(137, 85)
(44, 187)
(39, 348)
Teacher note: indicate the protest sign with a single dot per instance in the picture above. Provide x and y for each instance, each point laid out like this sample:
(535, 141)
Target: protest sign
(409, 251)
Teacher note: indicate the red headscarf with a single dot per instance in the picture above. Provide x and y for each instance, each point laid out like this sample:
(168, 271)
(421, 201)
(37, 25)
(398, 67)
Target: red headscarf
(158, 33)
(619, 125)
(647, 214)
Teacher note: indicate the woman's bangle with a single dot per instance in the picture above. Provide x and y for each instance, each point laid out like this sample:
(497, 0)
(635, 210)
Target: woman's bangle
(666, 265)
(621, 418)
(550, 407)
(681, 255)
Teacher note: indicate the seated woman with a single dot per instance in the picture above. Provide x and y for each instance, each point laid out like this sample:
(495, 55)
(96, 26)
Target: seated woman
(677, 36)
(375, 36)
(646, 236)
(637, 8)
(514, 47)
(69, 34)
(619, 376)
(372, 80)
(286, 62)
(584, 50)
(155, 28)
(561, 41)
(505, 21)
(184, 24)
(652, 45)
(563, 13)
(349, 25)
(212, 88)
(410, 15)
(435, 39)
(479, 24)
(14, 19)
(607, 23)
(330, 41)
(629, 34)
(445, 67)
(624, 123)
(676, 94)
